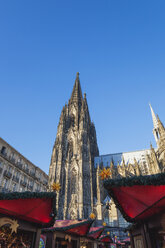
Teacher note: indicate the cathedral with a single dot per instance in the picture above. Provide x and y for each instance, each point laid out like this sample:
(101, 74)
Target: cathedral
(75, 163)
(72, 161)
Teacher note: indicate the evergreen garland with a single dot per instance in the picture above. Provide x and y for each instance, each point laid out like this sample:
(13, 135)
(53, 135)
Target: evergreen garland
(156, 179)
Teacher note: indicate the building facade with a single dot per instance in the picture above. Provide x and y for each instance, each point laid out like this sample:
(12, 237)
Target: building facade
(17, 173)
(72, 161)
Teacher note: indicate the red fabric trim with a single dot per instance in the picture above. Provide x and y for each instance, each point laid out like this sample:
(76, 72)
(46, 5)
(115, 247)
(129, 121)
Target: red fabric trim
(67, 223)
(106, 239)
(136, 201)
(35, 210)
(75, 227)
(95, 232)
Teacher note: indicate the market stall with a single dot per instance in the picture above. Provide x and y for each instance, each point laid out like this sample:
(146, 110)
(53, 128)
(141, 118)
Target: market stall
(68, 233)
(22, 215)
(105, 241)
(141, 200)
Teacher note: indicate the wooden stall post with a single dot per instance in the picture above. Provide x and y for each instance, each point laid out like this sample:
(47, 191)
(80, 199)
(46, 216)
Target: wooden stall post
(37, 241)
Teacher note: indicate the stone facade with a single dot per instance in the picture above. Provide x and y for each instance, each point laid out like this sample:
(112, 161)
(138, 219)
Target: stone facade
(17, 173)
(72, 161)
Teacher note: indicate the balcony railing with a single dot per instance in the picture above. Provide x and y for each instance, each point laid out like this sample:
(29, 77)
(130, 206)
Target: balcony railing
(7, 174)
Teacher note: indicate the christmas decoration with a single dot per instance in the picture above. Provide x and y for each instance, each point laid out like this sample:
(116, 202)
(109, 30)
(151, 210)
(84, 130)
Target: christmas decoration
(56, 186)
(13, 224)
(92, 216)
(104, 224)
(108, 233)
(105, 173)
(8, 239)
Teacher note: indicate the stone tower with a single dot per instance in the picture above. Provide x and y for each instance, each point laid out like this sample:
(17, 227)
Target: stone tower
(72, 161)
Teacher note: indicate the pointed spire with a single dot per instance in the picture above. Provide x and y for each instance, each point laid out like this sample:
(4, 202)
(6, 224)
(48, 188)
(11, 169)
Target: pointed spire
(155, 121)
(76, 93)
(161, 127)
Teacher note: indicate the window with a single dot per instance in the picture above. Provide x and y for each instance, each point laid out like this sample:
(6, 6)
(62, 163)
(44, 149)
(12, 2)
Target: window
(31, 183)
(10, 169)
(25, 179)
(14, 187)
(19, 161)
(3, 150)
(5, 183)
(12, 156)
(17, 174)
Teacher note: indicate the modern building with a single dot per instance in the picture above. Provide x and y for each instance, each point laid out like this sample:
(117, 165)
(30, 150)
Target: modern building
(17, 173)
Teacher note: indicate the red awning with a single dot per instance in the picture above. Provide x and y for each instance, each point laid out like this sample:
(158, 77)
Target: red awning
(95, 232)
(75, 227)
(135, 199)
(105, 239)
(126, 240)
(33, 207)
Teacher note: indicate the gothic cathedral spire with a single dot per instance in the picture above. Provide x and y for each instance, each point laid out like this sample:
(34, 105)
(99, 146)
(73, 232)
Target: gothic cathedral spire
(155, 125)
(72, 161)
(76, 93)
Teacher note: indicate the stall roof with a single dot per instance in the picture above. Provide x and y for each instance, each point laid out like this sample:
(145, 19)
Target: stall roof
(105, 239)
(95, 232)
(38, 208)
(75, 227)
(138, 197)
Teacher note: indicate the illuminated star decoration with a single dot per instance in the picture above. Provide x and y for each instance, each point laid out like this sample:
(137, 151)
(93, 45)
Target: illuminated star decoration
(108, 233)
(104, 224)
(105, 173)
(92, 216)
(14, 226)
(56, 186)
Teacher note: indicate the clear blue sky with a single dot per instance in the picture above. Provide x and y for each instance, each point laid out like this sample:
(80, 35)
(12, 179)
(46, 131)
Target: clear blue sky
(118, 46)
